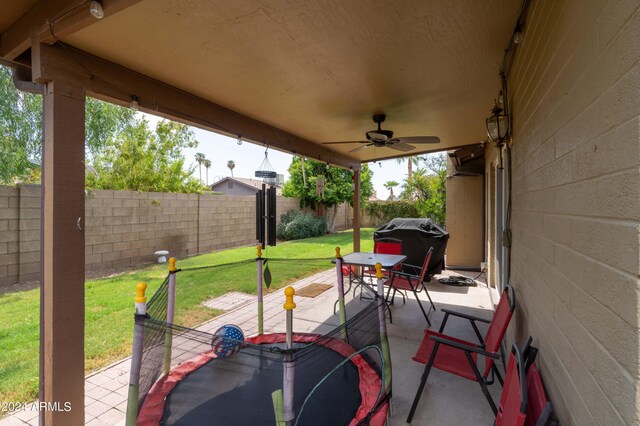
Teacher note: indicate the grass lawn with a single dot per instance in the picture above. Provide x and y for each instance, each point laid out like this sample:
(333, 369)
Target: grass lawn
(109, 303)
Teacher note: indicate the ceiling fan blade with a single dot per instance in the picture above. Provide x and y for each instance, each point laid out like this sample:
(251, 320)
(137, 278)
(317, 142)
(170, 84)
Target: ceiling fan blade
(361, 147)
(417, 139)
(400, 146)
(336, 143)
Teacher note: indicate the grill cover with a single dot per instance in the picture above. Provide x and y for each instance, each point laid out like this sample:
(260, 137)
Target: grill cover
(417, 235)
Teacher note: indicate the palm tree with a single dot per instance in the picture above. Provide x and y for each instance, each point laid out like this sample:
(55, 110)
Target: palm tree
(390, 185)
(410, 162)
(231, 165)
(200, 160)
(207, 164)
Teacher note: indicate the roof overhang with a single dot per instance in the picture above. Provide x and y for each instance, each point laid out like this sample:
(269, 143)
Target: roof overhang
(290, 75)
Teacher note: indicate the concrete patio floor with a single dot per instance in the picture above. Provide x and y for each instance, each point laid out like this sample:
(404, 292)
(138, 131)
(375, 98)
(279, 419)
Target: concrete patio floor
(446, 400)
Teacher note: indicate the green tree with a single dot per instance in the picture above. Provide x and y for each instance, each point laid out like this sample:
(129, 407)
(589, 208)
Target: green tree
(21, 129)
(104, 122)
(231, 165)
(337, 185)
(411, 161)
(390, 185)
(200, 159)
(427, 186)
(140, 159)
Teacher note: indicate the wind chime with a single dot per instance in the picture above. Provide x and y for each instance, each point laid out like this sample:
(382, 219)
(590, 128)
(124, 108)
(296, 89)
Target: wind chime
(266, 203)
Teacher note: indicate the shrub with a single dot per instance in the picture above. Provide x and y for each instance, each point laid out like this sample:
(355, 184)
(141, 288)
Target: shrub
(296, 225)
(384, 211)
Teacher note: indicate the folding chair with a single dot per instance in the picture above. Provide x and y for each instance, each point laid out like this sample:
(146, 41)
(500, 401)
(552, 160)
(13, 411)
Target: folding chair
(539, 408)
(383, 246)
(513, 400)
(400, 280)
(459, 357)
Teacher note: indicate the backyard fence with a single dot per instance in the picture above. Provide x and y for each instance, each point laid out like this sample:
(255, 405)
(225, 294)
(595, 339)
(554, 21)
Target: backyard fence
(124, 228)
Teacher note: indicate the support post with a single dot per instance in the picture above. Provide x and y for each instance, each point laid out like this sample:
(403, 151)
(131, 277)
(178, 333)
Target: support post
(356, 210)
(171, 303)
(62, 281)
(136, 354)
(259, 281)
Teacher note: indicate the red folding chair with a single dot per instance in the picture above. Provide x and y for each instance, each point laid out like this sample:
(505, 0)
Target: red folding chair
(459, 357)
(400, 281)
(513, 400)
(383, 246)
(539, 408)
(539, 411)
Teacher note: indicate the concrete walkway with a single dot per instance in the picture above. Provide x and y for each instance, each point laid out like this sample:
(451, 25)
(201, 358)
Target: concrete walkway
(447, 400)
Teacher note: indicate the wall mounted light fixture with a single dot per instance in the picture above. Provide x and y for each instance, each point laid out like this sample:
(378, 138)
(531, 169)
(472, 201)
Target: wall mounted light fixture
(498, 128)
(497, 123)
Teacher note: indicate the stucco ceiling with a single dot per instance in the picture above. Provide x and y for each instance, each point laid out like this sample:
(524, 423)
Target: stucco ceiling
(320, 68)
(10, 11)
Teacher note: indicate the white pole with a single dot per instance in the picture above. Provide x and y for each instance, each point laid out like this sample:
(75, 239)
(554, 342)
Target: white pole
(289, 361)
(136, 355)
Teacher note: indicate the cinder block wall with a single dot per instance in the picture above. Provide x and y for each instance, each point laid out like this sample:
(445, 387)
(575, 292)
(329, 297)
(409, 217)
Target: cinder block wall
(575, 98)
(125, 228)
(9, 235)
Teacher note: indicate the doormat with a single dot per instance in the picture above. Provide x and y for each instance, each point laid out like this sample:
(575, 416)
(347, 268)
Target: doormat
(458, 281)
(312, 290)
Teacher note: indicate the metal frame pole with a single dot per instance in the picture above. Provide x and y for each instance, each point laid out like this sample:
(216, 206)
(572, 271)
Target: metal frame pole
(343, 312)
(259, 281)
(136, 355)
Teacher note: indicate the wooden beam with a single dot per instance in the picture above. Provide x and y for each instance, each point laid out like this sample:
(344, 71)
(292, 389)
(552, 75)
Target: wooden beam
(114, 83)
(62, 281)
(80, 18)
(17, 38)
(52, 20)
(23, 80)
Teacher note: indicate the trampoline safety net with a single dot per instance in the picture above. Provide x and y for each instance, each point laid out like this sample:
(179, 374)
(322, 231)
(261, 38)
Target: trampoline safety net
(338, 376)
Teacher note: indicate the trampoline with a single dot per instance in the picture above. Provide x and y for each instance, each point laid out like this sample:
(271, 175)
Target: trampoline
(338, 376)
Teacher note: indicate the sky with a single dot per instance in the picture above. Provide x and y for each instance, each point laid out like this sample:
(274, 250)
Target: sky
(248, 157)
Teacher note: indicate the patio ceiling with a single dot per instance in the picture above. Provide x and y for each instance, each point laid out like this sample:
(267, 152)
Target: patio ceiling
(316, 69)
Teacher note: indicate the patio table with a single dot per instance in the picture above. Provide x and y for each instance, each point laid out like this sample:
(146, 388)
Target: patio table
(365, 259)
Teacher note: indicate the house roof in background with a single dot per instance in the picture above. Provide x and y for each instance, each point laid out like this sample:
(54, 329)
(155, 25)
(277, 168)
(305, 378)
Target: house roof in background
(254, 183)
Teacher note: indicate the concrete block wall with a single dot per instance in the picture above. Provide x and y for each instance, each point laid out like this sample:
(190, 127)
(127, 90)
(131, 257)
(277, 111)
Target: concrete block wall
(9, 235)
(226, 221)
(575, 98)
(125, 228)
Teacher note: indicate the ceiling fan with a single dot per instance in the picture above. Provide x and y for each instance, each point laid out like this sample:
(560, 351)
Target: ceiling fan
(384, 138)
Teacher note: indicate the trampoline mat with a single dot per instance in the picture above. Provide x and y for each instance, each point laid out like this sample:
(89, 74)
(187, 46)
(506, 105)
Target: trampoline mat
(237, 391)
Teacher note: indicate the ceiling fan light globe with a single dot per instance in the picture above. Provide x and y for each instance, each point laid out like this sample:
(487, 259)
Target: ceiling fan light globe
(376, 136)
(379, 135)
